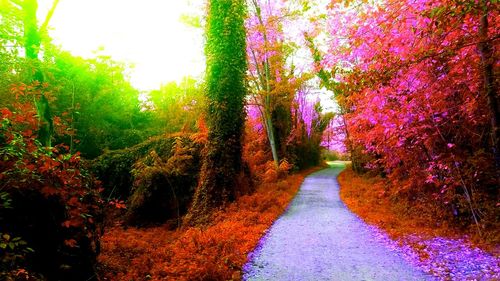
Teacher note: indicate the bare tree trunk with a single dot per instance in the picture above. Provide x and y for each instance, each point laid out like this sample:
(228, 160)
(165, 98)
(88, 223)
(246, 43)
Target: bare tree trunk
(264, 79)
(270, 136)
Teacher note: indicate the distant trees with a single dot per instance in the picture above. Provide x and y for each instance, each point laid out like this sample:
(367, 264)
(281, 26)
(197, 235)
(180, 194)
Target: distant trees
(92, 96)
(177, 106)
(225, 90)
(97, 101)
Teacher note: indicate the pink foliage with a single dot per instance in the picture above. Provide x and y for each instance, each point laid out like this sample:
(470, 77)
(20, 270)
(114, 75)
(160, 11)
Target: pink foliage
(412, 87)
(334, 135)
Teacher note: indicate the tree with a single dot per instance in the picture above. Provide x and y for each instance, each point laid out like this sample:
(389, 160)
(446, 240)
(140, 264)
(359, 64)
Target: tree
(327, 80)
(32, 41)
(95, 98)
(225, 90)
(177, 106)
(487, 69)
(273, 80)
(417, 84)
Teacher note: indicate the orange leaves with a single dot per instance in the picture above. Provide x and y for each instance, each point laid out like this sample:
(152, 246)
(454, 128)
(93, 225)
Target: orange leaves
(202, 135)
(216, 252)
(70, 243)
(271, 174)
(374, 200)
(5, 113)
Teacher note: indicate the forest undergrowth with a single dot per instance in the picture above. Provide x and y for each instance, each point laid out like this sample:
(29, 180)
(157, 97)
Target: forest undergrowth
(214, 252)
(371, 199)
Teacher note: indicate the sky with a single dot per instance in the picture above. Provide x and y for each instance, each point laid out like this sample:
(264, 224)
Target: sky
(145, 33)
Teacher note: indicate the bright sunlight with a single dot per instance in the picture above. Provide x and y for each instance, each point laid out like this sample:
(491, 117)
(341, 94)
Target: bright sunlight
(147, 34)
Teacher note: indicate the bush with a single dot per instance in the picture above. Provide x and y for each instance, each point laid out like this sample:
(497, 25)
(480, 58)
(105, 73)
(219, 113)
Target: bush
(114, 168)
(157, 178)
(164, 186)
(379, 201)
(49, 202)
(331, 155)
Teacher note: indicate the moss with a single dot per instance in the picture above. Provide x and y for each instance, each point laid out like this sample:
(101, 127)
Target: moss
(225, 90)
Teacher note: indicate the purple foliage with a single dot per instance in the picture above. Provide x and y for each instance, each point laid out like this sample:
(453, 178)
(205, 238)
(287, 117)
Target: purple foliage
(334, 135)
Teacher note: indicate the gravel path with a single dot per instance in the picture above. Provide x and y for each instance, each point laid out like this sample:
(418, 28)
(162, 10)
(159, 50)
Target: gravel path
(318, 238)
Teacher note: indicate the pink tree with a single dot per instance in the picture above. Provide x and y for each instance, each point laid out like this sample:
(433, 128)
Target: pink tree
(415, 79)
(273, 79)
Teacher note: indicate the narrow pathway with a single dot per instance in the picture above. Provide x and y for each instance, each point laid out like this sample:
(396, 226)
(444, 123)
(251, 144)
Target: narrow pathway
(318, 238)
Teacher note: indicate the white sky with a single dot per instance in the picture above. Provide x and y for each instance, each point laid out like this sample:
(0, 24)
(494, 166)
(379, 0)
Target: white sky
(146, 33)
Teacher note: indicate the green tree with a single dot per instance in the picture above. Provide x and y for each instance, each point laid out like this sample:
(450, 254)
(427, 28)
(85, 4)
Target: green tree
(97, 101)
(225, 82)
(177, 106)
(33, 35)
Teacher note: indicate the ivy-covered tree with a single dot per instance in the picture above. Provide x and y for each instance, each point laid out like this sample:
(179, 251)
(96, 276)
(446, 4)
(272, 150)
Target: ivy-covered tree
(33, 35)
(225, 88)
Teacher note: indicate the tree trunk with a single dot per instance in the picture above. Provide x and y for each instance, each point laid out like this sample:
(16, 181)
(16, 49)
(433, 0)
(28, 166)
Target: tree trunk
(270, 136)
(264, 79)
(226, 72)
(32, 44)
(490, 87)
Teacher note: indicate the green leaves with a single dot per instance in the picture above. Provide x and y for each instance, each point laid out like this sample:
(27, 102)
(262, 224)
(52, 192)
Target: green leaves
(12, 247)
(225, 90)
(190, 20)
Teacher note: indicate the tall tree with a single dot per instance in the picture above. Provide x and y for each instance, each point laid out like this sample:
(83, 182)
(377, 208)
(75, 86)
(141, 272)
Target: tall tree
(490, 85)
(225, 88)
(33, 35)
(273, 79)
(421, 94)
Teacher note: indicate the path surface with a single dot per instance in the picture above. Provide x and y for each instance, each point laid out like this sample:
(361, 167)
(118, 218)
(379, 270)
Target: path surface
(318, 238)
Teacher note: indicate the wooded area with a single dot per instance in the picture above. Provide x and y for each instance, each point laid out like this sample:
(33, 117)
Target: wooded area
(85, 157)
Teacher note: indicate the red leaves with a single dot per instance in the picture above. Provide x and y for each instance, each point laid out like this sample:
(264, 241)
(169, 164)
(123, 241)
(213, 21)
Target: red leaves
(28, 133)
(119, 204)
(76, 222)
(5, 113)
(26, 165)
(71, 243)
(48, 165)
(73, 201)
(49, 191)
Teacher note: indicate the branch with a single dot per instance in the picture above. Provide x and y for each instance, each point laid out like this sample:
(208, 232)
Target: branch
(259, 73)
(18, 3)
(43, 27)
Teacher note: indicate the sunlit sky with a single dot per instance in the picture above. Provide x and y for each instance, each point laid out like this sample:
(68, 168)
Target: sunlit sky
(145, 33)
